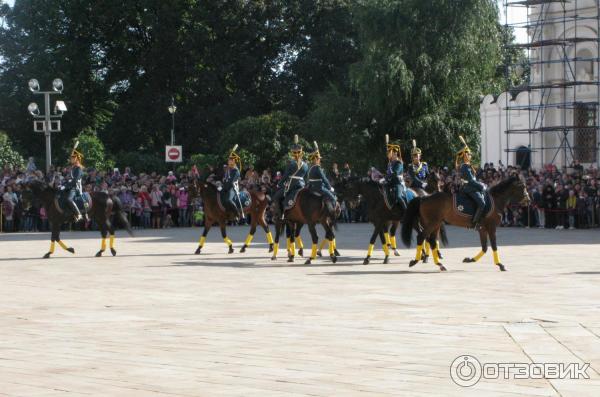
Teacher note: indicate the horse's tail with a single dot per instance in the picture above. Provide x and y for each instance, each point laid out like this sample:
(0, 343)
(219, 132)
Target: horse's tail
(443, 235)
(118, 211)
(410, 219)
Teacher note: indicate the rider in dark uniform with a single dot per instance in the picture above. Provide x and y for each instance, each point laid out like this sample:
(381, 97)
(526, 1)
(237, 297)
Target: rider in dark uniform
(318, 182)
(293, 177)
(73, 185)
(231, 178)
(473, 188)
(394, 176)
(418, 170)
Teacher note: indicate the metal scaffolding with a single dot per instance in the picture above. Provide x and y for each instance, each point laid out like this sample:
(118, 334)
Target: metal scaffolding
(576, 132)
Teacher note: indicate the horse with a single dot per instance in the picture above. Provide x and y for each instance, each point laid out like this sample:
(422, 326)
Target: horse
(427, 214)
(215, 213)
(378, 212)
(103, 206)
(309, 209)
(433, 186)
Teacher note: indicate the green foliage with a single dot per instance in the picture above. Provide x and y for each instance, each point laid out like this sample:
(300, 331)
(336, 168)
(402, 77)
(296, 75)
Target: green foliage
(265, 139)
(8, 155)
(141, 162)
(93, 152)
(201, 160)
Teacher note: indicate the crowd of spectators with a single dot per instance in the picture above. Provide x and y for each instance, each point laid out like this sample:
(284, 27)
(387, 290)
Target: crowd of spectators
(561, 199)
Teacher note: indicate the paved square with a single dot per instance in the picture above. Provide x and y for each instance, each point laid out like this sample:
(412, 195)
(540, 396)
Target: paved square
(157, 320)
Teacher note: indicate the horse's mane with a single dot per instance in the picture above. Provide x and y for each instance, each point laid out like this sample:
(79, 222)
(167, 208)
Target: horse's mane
(40, 185)
(504, 185)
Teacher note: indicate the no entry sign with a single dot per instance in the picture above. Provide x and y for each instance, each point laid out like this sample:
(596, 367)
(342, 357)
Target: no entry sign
(173, 154)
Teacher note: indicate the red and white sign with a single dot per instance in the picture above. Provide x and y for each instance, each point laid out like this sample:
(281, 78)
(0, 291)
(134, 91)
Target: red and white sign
(173, 154)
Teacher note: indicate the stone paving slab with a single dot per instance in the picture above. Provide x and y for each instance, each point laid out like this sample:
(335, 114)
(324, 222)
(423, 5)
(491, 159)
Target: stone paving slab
(157, 320)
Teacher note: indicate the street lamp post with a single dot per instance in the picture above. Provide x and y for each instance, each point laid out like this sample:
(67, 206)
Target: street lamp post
(47, 122)
(172, 109)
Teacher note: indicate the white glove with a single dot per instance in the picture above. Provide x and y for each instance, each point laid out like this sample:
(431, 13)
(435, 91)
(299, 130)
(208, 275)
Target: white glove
(332, 189)
(382, 181)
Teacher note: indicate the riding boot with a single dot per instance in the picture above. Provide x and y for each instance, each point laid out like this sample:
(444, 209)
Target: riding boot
(75, 209)
(477, 217)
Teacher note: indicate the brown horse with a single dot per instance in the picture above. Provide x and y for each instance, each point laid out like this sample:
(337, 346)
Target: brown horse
(102, 209)
(310, 210)
(427, 214)
(214, 213)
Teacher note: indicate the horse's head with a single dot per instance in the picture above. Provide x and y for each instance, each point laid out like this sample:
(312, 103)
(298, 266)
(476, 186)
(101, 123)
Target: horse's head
(521, 191)
(434, 180)
(514, 189)
(33, 190)
(348, 189)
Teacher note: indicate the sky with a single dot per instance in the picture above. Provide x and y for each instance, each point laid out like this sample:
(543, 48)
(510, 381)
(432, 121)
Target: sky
(515, 14)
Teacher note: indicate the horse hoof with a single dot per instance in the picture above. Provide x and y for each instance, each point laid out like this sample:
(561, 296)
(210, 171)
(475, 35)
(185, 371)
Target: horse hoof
(425, 258)
(307, 262)
(113, 252)
(273, 258)
(502, 267)
(412, 263)
(270, 247)
(301, 252)
(71, 250)
(468, 260)
(319, 253)
(98, 254)
(442, 268)
(440, 255)
(198, 250)
(386, 260)
(230, 250)
(290, 259)
(366, 261)
(336, 252)
(243, 249)
(333, 258)
(396, 253)
(46, 256)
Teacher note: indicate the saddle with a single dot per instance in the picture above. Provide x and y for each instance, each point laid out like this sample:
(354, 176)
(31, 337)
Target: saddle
(61, 202)
(389, 195)
(245, 201)
(291, 197)
(465, 206)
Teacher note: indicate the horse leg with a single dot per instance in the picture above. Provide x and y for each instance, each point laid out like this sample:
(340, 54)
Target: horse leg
(426, 251)
(492, 233)
(292, 242)
(226, 239)
(331, 239)
(111, 239)
(278, 227)
(419, 254)
(392, 236)
(250, 236)
(434, 252)
(315, 240)
(53, 237)
(60, 243)
(103, 244)
(483, 238)
(298, 239)
(321, 247)
(438, 244)
(371, 245)
(385, 240)
(267, 232)
(207, 226)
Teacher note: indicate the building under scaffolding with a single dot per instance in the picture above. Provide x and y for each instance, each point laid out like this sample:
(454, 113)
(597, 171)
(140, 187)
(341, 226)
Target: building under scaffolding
(553, 119)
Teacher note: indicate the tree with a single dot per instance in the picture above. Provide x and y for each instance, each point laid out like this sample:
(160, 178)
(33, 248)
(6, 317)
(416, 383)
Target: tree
(8, 155)
(93, 151)
(424, 65)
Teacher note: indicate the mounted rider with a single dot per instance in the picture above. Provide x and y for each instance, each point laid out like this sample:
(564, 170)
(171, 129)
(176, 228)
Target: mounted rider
(231, 178)
(394, 175)
(72, 187)
(417, 170)
(318, 182)
(471, 186)
(293, 177)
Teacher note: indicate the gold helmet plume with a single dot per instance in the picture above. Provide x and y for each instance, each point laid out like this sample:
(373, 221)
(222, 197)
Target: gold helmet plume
(77, 154)
(465, 149)
(415, 149)
(391, 147)
(236, 157)
(314, 154)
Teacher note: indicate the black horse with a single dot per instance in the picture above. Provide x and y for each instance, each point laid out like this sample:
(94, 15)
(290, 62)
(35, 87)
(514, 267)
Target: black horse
(378, 212)
(102, 208)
